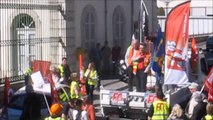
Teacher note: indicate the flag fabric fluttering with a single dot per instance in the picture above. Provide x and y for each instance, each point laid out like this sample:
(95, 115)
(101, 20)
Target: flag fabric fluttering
(159, 52)
(194, 55)
(176, 58)
(208, 85)
(54, 92)
(81, 70)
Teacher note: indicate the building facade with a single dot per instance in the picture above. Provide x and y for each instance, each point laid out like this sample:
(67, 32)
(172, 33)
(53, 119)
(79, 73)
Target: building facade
(51, 29)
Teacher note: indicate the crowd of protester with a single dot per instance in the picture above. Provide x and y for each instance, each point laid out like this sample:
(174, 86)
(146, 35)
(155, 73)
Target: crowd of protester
(80, 106)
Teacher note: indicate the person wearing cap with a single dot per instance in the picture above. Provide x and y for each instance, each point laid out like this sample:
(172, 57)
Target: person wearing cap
(192, 102)
(55, 112)
(160, 109)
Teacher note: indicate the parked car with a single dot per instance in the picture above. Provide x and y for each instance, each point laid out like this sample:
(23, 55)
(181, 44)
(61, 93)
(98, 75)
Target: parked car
(43, 93)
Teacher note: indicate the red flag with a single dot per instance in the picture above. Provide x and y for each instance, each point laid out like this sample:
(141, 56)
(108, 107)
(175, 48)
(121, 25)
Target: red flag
(83, 87)
(209, 85)
(177, 25)
(43, 66)
(6, 92)
(194, 55)
(54, 92)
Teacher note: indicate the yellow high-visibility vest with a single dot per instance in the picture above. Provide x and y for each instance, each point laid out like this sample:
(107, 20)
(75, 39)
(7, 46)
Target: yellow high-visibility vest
(161, 110)
(74, 85)
(92, 77)
(208, 117)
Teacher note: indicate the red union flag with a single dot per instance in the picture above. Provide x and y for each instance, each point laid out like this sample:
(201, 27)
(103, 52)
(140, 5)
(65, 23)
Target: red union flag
(209, 85)
(177, 25)
(194, 55)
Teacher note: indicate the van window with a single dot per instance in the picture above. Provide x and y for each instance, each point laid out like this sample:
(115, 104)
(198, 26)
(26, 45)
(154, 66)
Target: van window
(17, 101)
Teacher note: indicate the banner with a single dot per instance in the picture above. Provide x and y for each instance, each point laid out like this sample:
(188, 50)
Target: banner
(209, 85)
(194, 55)
(176, 59)
(159, 52)
(43, 66)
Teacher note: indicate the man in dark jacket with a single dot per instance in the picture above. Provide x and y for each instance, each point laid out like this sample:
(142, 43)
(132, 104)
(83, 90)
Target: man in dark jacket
(31, 108)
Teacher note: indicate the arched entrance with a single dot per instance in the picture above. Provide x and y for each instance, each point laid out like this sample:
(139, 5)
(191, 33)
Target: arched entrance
(24, 32)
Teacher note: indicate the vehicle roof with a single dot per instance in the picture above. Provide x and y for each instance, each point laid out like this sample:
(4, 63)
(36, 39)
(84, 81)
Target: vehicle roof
(43, 89)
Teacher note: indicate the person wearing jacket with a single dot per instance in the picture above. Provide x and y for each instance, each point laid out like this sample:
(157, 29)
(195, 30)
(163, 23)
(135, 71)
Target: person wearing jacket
(89, 107)
(159, 110)
(74, 87)
(64, 71)
(129, 60)
(55, 111)
(91, 79)
(209, 110)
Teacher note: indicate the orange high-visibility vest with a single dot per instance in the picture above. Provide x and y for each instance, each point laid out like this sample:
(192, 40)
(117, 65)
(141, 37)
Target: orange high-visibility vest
(130, 55)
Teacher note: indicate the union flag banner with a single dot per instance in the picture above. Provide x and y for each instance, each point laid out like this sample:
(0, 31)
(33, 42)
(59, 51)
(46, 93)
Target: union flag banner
(43, 66)
(194, 55)
(209, 85)
(176, 59)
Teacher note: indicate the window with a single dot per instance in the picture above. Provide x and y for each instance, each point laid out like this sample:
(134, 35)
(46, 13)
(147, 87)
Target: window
(118, 25)
(88, 26)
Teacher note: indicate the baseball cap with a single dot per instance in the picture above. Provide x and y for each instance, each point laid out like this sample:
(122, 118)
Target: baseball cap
(193, 85)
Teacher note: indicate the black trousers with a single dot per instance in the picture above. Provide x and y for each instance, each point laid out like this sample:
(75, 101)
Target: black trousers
(140, 79)
(90, 90)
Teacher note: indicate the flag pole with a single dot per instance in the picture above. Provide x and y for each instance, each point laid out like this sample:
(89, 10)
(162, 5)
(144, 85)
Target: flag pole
(140, 21)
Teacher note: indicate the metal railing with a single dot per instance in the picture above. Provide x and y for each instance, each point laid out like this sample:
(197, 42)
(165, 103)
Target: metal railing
(198, 26)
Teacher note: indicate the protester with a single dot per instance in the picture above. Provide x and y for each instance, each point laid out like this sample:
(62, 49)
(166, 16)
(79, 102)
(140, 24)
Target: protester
(106, 54)
(56, 111)
(55, 74)
(133, 48)
(192, 103)
(200, 109)
(144, 60)
(64, 71)
(91, 79)
(74, 87)
(116, 51)
(89, 107)
(68, 108)
(78, 113)
(177, 113)
(209, 110)
(159, 110)
(97, 57)
(31, 108)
